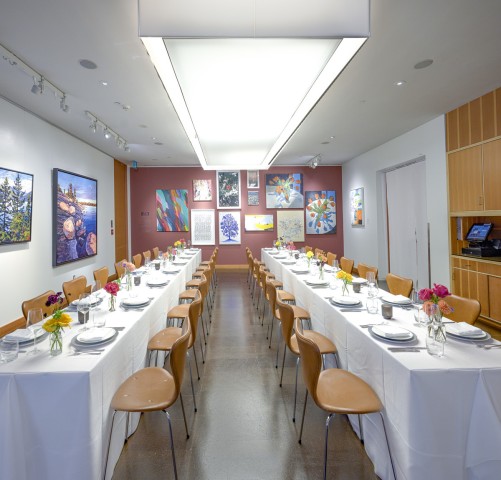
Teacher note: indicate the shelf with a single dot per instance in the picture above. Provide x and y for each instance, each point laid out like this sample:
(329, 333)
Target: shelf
(476, 213)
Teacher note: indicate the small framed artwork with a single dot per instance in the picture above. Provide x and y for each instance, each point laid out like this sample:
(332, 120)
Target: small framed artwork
(258, 223)
(290, 225)
(172, 210)
(320, 212)
(357, 207)
(202, 190)
(15, 214)
(252, 198)
(252, 178)
(229, 228)
(203, 227)
(228, 189)
(74, 229)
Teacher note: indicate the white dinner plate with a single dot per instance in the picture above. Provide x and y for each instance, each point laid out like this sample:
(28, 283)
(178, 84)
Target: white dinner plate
(315, 281)
(96, 335)
(345, 301)
(157, 282)
(171, 270)
(92, 304)
(24, 336)
(482, 337)
(300, 269)
(392, 333)
(396, 299)
(288, 262)
(135, 301)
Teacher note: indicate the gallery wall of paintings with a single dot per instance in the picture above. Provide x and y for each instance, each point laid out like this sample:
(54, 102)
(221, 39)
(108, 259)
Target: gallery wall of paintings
(235, 209)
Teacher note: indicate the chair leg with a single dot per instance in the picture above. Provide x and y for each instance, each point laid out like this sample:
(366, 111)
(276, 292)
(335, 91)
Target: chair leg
(295, 391)
(109, 444)
(271, 328)
(191, 381)
(388, 445)
(196, 361)
(361, 427)
(283, 364)
(302, 419)
(279, 336)
(184, 415)
(202, 349)
(326, 442)
(172, 444)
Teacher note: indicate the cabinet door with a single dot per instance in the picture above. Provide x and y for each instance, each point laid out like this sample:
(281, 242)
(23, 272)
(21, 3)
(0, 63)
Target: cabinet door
(495, 298)
(465, 180)
(492, 174)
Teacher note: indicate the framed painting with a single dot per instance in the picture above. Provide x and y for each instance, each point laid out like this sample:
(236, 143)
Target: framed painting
(74, 229)
(290, 225)
(252, 198)
(202, 190)
(320, 212)
(16, 206)
(172, 210)
(203, 227)
(258, 223)
(284, 190)
(228, 189)
(229, 228)
(252, 178)
(357, 207)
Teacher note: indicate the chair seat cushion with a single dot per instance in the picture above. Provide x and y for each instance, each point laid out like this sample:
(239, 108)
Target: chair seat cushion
(284, 296)
(148, 390)
(179, 311)
(324, 344)
(188, 294)
(193, 283)
(164, 339)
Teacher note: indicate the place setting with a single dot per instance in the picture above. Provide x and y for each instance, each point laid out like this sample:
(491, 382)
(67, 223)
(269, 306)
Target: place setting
(316, 282)
(157, 281)
(135, 303)
(465, 332)
(93, 340)
(397, 300)
(346, 302)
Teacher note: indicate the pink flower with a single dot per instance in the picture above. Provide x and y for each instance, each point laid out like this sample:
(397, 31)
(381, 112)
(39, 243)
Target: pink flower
(425, 294)
(440, 291)
(112, 288)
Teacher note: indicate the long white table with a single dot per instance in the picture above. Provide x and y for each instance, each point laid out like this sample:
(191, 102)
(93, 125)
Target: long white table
(443, 415)
(55, 415)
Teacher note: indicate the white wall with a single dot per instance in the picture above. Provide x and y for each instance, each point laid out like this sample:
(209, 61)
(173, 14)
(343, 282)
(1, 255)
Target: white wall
(366, 244)
(31, 145)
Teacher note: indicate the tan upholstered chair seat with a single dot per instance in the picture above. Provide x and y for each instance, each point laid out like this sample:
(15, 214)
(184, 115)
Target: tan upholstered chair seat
(299, 312)
(188, 294)
(165, 338)
(324, 344)
(285, 297)
(195, 283)
(148, 390)
(179, 311)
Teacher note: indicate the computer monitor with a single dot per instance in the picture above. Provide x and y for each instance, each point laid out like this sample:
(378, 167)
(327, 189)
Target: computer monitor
(479, 232)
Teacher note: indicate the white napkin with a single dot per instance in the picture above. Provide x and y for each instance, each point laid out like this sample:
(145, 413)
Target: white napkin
(157, 280)
(136, 300)
(390, 331)
(345, 300)
(95, 335)
(21, 335)
(402, 299)
(316, 281)
(359, 280)
(465, 329)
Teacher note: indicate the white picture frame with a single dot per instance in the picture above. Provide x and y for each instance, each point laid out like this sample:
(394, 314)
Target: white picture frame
(228, 189)
(203, 227)
(230, 229)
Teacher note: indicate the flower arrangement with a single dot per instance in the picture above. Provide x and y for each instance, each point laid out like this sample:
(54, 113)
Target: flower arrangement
(112, 288)
(277, 243)
(128, 266)
(435, 296)
(309, 256)
(321, 261)
(56, 324)
(181, 243)
(290, 246)
(346, 278)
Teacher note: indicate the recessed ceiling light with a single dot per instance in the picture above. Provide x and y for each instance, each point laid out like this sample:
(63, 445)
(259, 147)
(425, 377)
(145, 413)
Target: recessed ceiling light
(332, 137)
(423, 64)
(104, 84)
(89, 64)
(153, 138)
(400, 83)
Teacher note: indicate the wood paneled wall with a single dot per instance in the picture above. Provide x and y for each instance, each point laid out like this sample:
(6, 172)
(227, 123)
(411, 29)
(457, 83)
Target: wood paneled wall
(121, 212)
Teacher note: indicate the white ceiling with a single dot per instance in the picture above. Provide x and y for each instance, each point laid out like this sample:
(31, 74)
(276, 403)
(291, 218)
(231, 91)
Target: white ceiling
(361, 110)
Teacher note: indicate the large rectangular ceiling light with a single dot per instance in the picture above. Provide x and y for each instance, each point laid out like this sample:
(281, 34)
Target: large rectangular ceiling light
(243, 74)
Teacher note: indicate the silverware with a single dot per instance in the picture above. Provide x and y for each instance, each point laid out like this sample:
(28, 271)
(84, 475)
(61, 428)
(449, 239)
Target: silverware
(352, 310)
(406, 349)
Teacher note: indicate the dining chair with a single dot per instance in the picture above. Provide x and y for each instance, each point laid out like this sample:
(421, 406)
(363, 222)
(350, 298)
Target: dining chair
(190, 295)
(346, 264)
(268, 281)
(399, 285)
(147, 256)
(325, 345)
(250, 265)
(215, 253)
(155, 251)
(318, 252)
(334, 390)
(307, 249)
(153, 389)
(38, 302)
(464, 309)
(137, 260)
(119, 268)
(101, 275)
(330, 258)
(363, 269)
(163, 340)
(74, 288)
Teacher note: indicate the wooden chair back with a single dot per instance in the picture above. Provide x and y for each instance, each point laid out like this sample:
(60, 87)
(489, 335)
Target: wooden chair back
(101, 275)
(346, 264)
(137, 260)
(465, 309)
(38, 302)
(74, 288)
(399, 285)
(330, 258)
(119, 268)
(363, 269)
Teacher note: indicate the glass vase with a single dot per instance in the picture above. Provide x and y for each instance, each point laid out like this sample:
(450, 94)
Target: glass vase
(345, 288)
(321, 274)
(112, 303)
(436, 335)
(56, 342)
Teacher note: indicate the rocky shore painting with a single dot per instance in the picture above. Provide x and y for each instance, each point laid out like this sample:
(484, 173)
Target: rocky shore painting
(75, 217)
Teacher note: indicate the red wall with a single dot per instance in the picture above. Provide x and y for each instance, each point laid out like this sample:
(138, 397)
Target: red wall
(145, 181)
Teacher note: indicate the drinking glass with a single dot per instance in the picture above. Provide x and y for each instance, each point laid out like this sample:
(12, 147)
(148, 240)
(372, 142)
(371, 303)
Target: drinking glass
(94, 300)
(372, 305)
(371, 278)
(34, 324)
(8, 351)
(335, 266)
(83, 309)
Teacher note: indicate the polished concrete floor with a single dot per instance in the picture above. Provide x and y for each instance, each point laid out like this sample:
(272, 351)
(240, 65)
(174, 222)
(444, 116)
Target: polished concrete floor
(243, 429)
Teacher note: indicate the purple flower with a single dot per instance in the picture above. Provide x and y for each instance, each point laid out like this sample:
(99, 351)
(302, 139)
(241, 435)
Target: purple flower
(425, 294)
(440, 291)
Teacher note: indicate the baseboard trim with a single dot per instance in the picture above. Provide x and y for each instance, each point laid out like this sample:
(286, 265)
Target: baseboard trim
(232, 267)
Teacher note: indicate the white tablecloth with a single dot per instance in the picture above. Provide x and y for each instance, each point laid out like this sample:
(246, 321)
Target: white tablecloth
(443, 415)
(55, 415)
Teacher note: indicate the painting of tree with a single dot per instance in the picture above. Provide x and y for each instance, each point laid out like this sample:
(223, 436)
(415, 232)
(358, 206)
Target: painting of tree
(229, 228)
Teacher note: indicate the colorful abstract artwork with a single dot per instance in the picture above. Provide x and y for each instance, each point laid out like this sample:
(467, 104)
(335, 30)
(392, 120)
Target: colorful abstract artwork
(172, 210)
(284, 190)
(290, 225)
(228, 189)
(229, 228)
(16, 197)
(74, 217)
(320, 212)
(202, 190)
(258, 223)
(252, 198)
(357, 207)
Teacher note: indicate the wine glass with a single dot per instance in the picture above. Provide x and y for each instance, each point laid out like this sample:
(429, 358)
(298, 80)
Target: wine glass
(34, 324)
(83, 308)
(335, 266)
(94, 297)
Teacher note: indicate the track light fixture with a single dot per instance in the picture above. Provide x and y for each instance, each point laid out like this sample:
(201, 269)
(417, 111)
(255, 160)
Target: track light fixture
(108, 133)
(37, 87)
(62, 104)
(315, 161)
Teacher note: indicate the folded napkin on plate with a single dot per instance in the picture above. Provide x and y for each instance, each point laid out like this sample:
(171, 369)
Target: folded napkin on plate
(388, 297)
(463, 328)
(136, 300)
(389, 331)
(157, 280)
(20, 335)
(345, 300)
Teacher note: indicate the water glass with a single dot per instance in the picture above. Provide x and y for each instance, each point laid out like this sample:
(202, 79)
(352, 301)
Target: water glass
(8, 351)
(421, 318)
(435, 341)
(371, 278)
(137, 280)
(335, 266)
(372, 305)
(83, 309)
(100, 319)
(35, 325)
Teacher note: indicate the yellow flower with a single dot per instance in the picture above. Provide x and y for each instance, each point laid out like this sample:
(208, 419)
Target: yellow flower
(55, 323)
(309, 254)
(277, 243)
(346, 277)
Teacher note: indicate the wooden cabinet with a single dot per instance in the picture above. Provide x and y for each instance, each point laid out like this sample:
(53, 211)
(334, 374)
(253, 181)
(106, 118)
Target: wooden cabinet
(491, 153)
(465, 180)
